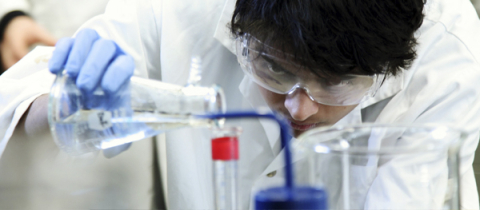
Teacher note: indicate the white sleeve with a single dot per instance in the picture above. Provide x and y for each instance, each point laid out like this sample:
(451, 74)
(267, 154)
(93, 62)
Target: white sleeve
(135, 27)
(7, 6)
(444, 92)
(21, 85)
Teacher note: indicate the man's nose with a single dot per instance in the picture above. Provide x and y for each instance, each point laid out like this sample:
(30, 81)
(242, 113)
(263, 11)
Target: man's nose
(300, 106)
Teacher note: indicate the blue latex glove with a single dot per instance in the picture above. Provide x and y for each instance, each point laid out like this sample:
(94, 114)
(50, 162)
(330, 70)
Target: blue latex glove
(94, 62)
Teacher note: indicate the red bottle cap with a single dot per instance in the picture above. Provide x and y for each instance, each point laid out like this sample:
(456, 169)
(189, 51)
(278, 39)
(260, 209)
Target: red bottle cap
(225, 148)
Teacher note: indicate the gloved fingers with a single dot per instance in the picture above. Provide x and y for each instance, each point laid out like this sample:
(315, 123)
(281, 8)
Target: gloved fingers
(80, 50)
(118, 73)
(102, 52)
(60, 55)
(114, 151)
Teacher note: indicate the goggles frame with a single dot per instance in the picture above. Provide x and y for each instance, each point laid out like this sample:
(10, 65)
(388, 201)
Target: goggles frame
(244, 52)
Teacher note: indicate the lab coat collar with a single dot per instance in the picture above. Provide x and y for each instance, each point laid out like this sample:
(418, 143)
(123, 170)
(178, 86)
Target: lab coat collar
(391, 86)
(252, 94)
(354, 117)
(222, 32)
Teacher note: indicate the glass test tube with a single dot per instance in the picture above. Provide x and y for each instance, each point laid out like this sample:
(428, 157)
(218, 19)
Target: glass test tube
(225, 158)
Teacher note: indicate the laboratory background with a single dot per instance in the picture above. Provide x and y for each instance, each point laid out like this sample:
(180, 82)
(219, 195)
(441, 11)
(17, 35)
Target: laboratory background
(32, 177)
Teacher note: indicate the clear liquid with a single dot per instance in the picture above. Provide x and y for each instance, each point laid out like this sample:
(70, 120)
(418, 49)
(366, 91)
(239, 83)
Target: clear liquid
(225, 184)
(90, 130)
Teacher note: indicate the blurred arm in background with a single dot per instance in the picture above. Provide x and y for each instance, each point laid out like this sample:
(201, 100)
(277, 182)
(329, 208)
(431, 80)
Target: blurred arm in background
(19, 32)
(40, 22)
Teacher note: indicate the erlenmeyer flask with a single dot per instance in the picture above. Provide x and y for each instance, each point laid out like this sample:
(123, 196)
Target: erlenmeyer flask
(83, 122)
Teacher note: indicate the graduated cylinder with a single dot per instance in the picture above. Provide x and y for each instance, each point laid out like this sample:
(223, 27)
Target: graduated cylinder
(225, 169)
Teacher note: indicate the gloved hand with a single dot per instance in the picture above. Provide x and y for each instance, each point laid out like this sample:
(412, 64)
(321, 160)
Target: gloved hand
(96, 64)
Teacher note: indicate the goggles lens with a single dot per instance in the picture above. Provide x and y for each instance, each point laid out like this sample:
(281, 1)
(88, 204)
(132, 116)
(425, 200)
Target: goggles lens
(274, 72)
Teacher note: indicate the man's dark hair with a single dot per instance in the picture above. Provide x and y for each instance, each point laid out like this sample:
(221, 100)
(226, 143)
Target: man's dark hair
(336, 36)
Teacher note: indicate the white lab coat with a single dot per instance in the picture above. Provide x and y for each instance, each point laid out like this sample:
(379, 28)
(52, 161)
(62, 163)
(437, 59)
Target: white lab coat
(440, 87)
(60, 17)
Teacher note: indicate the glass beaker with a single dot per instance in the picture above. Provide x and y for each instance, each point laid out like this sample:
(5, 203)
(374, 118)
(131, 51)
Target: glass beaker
(83, 122)
(382, 166)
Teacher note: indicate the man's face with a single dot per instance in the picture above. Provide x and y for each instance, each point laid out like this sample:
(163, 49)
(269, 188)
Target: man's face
(303, 113)
(308, 98)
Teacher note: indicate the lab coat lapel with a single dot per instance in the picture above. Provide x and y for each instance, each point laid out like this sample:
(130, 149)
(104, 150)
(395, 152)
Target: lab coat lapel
(354, 117)
(390, 87)
(250, 91)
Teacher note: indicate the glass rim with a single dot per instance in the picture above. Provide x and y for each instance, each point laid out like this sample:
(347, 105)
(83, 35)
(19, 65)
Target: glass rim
(305, 143)
(226, 130)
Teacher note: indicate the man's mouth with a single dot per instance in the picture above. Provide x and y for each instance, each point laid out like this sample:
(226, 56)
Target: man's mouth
(302, 127)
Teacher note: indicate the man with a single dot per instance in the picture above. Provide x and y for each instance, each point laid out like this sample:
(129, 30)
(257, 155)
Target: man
(318, 62)
(324, 53)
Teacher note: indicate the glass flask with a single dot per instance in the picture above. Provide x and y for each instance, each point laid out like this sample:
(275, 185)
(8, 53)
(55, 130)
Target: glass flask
(382, 166)
(84, 122)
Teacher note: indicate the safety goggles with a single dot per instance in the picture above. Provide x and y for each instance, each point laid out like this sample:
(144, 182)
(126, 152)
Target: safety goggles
(271, 69)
